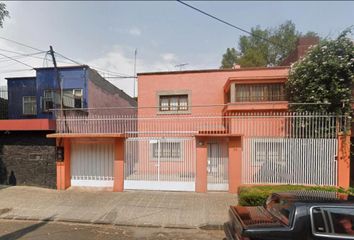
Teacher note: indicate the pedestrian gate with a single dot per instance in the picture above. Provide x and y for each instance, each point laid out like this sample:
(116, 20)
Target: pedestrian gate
(160, 164)
(218, 166)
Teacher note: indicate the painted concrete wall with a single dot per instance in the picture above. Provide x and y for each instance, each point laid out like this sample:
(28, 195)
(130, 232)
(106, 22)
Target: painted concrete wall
(207, 87)
(17, 89)
(71, 78)
(103, 94)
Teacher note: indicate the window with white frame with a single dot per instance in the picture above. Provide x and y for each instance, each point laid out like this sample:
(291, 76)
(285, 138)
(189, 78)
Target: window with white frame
(166, 150)
(173, 103)
(29, 105)
(72, 98)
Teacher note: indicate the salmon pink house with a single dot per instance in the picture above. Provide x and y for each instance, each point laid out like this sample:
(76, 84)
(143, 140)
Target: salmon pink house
(215, 130)
(205, 130)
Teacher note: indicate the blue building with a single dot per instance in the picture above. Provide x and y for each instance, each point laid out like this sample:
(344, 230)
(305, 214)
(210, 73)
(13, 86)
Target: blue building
(80, 86)
(27, 118)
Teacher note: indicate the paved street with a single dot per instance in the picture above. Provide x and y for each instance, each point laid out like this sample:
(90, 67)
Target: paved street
(34, 230)
(130, 208)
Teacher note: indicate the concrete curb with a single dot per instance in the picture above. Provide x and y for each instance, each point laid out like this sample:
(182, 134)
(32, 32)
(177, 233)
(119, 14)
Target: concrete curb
(99, 222)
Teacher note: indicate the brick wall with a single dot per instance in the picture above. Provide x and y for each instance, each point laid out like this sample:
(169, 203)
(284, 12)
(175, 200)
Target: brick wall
(30, 155)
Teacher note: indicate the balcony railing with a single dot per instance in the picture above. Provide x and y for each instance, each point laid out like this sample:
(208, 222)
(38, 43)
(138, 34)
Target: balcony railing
(286, 124)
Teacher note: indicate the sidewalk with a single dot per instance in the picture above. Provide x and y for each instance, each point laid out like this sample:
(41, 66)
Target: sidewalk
(130, 208)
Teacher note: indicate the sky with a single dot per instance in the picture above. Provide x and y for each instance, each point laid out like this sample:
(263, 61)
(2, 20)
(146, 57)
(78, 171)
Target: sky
(104, 35)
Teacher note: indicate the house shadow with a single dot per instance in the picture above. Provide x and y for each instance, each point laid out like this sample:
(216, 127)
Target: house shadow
(24, 231)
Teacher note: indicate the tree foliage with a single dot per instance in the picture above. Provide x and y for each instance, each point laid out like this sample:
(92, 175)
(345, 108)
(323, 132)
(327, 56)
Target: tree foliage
(324, 75)
(266, 46)
(3, 13)
(229, 58)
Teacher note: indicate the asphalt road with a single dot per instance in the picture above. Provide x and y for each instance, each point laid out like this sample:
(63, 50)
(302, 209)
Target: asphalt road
(16, 229)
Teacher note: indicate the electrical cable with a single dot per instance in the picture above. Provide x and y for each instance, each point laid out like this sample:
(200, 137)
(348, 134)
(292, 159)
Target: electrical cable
(229, 24)
(17, 60)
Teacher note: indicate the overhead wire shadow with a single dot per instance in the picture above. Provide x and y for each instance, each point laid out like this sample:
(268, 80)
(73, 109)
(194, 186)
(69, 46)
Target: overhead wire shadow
(24, 231)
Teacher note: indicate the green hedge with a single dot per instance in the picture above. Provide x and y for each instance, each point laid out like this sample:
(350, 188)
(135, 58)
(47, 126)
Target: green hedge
(257, 195)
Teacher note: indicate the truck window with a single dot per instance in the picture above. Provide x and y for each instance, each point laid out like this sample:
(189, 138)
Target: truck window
(280, 208)
(333, 221)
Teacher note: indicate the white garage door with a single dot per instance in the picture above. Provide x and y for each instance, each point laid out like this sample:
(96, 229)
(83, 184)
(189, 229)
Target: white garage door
(92, 164)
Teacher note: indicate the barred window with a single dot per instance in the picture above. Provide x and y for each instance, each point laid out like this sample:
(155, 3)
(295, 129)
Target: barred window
(29, 105)
(168, 150)
(259, 92)
(174, 102)
(72, 98)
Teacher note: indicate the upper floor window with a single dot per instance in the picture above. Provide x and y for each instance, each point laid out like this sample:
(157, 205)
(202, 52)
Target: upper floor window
(259, 92)
(29, 104)
(72, 98)
(174, 102)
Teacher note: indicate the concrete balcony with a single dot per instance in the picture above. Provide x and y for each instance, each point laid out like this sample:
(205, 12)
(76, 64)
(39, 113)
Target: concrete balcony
(27, 125)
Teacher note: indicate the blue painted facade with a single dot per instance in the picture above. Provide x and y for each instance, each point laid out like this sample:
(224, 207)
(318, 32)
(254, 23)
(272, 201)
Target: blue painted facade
(17, 89)
(94, 86)
(72, 78)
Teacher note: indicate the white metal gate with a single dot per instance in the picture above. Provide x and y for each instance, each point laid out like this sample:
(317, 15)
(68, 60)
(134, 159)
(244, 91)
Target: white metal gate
(160, 164)
(218, 167)
(92, 163)
(289, 161)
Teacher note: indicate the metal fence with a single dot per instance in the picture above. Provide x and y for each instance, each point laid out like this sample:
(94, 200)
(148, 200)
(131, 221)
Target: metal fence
(3, 102)
(277, 148)
(286, 124)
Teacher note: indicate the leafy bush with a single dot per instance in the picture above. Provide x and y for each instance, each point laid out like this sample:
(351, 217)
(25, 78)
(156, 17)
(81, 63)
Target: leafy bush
(257, 195)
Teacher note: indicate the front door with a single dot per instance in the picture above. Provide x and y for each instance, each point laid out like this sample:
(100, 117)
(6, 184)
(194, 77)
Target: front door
(218, 166)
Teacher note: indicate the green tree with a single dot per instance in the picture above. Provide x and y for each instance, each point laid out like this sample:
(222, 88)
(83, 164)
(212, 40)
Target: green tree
(3, 13)
(229, 58)
(266, 47)
(324, 75)
(254, 49)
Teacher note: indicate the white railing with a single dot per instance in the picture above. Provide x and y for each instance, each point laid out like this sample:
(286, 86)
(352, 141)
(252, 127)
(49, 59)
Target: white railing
(288, 125)
(277, 148)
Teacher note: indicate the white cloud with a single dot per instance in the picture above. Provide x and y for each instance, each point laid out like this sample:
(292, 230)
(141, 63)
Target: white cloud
(168, 57)
(121, 60)
(135, 31)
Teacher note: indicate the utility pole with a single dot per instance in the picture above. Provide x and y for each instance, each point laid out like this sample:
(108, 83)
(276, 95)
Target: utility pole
(135, 78)
(57, 77)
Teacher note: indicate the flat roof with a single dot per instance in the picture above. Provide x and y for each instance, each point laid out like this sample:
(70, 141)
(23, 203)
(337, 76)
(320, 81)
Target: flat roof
(18, 78)
(215, 70)
(63, 67)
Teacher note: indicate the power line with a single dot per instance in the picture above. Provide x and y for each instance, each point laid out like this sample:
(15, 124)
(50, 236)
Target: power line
(17, 60)
(95, 67)
(21, 55)
(229, 24)
(74, 61)
(21, 44)
(17, 70)
(68, 58)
